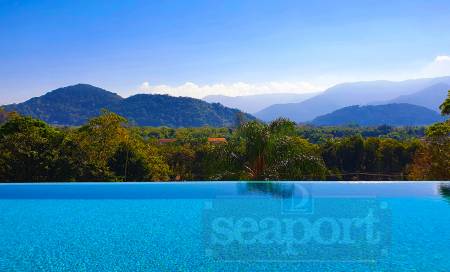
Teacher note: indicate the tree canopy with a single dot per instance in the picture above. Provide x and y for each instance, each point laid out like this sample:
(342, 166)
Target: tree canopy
(445, 106)
(109, 148)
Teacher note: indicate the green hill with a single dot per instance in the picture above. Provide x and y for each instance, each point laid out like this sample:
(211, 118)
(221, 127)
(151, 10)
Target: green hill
(76, 104)
(72, 105)
(391, 114)
(353, 93)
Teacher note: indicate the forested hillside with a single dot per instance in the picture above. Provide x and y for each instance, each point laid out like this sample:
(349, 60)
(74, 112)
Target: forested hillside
(390, 114)
(75, 105)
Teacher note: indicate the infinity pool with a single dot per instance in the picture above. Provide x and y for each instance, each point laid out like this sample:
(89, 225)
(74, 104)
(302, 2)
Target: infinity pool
(287, 226)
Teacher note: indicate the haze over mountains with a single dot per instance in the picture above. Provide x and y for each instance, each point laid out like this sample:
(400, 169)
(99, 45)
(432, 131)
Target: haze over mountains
(400, 114)
(359, 93)
(255, 103)
(411, 102)
(76, 104)
(430, 97)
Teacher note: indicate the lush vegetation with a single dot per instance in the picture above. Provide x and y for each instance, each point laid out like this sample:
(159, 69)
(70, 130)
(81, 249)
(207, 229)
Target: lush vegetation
(108, 148)
(75, 105)
(432, 161)
(317, 134)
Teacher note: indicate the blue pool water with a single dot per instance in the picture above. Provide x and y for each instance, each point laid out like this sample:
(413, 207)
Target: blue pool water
(225, 227)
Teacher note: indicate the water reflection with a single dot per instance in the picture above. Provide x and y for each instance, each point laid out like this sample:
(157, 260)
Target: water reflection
(272, 189)
(343, 189)
(210, 190)
(444, 190)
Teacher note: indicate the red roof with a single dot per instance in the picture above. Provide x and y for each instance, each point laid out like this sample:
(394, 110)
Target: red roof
(217, 140)
(163, 141)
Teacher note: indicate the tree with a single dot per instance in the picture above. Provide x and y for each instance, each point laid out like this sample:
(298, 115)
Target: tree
(294, 158)
(159, 169)
(262, 152)
(98, 141)
(432, 160)
(445, 106)
(368, 159)
(181, 159)
(129, 164)
(256, 137)
(3, 115)
(29, 150)
(344, 156)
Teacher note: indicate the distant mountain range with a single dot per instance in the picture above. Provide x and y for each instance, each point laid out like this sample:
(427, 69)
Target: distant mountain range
(76, 104)
(359, 93)
(411, 102)
(255, 103)
(430, 97)
(391, 114)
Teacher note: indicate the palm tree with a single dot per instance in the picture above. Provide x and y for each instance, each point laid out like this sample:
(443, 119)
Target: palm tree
(274, 151)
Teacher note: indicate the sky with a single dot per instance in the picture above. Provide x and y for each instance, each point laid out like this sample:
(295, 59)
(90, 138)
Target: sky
(230, 47)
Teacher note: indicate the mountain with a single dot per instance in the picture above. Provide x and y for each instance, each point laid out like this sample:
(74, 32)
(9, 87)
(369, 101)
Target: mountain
(165, 110)
(72, 105)
(430, 97)
(347, 94)
(374, 115)
(255, 103)
(75, 105)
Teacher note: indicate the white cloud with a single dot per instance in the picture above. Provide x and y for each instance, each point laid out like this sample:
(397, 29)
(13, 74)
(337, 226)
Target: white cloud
(439, 67)
(234, 89)
(442, 58)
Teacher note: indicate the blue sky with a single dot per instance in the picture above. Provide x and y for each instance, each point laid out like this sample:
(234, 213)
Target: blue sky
(231, 47)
